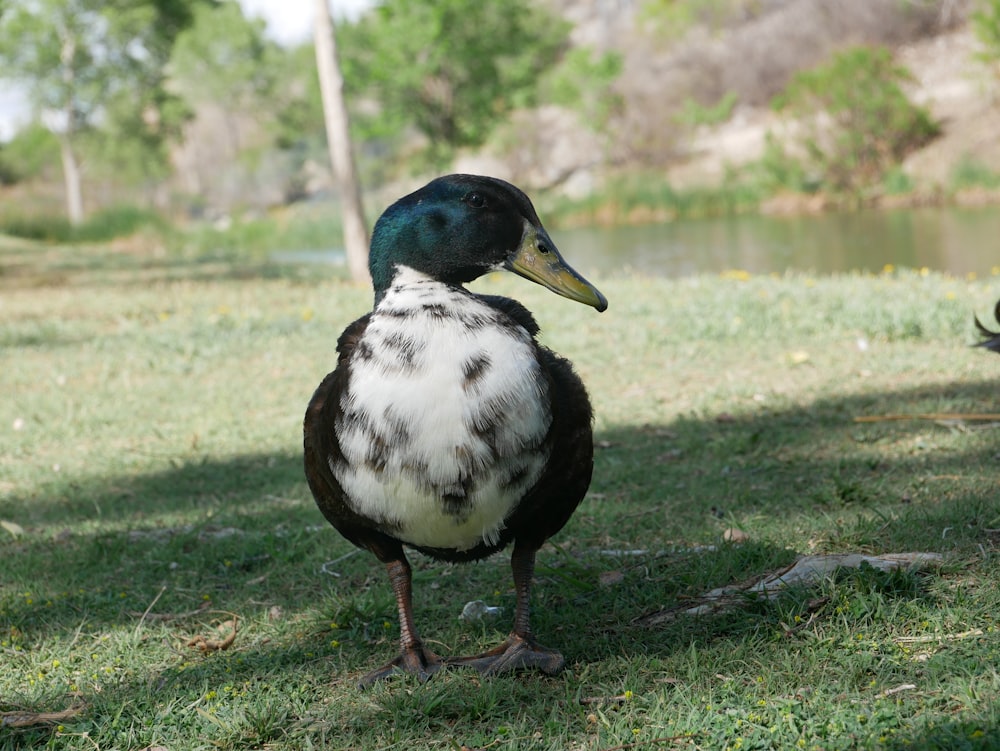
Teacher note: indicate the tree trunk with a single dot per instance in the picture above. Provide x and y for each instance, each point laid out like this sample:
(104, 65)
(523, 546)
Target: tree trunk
(71, 175)
(331, 84)
(71, 167)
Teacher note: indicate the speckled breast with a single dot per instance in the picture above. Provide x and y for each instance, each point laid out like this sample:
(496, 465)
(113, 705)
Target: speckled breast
(444, 417)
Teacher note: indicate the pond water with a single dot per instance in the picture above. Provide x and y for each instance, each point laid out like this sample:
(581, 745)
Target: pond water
(954, 240)
(957, 241)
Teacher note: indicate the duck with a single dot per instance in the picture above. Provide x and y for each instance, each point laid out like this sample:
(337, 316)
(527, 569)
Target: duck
(446, 427)
(991, 339)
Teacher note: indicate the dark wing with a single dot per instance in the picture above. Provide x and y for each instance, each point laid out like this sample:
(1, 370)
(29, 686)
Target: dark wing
(321, 447)
(991, 339)
(551, 502)
(348, 340)
(514, 309)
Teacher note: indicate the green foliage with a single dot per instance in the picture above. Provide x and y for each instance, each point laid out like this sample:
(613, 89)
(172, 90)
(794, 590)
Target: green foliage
(225, 69)
(694, 114)
(298, 124)
(985, 21)
(78, 55)
(132, 147)
(100, 226)
(451, 69)
(895, 182)
(96, 66)
(307, 227)
(858, 121)
(28, 154)
(54, 229)
(117, 221)
(52, 46)
(644, 197)
(8, 175)
(970, 172)
(224, 57)
(776, 170)
(674, 18)
(583, 81)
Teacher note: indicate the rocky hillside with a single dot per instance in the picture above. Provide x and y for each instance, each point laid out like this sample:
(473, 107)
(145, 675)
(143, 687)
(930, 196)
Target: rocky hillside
(948, 81)
(750, 50)
(963, 96)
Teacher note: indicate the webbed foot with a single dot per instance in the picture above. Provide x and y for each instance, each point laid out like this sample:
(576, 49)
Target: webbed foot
(516, 653)
(418, 661)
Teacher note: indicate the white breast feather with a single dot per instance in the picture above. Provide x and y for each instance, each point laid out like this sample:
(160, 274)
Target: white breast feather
(429, 402)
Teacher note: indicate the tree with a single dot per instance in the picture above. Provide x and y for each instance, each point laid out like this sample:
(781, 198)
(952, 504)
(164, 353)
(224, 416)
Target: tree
(82, 60)
(339, 139)
(229, 76)
(858, 122)
(224, 58)
(299, 118)
(450, 68)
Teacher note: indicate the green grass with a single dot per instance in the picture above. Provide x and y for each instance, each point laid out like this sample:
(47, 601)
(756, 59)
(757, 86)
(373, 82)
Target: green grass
(100, 226)
(248, 237)
(151, 454)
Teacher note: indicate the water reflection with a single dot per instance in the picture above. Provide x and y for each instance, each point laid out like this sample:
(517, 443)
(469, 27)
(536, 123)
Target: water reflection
(953, 240)
(957, 241)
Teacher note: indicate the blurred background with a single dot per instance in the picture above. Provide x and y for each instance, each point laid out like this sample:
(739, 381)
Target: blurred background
(676, 136)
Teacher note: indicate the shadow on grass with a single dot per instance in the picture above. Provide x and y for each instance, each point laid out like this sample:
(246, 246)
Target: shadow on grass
(243, 533)
(967, 735)
(815, 458)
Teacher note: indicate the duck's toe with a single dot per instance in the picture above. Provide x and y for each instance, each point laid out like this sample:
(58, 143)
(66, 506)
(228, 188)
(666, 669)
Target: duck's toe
(516, 653)
(418, 661)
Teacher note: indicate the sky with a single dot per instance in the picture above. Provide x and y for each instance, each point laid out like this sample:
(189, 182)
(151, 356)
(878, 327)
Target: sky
(288, 22)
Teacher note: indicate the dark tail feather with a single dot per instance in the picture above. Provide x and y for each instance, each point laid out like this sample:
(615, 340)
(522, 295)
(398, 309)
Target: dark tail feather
(991, 339)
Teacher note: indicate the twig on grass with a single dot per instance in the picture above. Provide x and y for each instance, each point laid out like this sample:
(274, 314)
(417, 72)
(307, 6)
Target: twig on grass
(587, 700)
(147, 616)
(898, 689)
(22, 719)
(789, 630)
(149, 607)
(931, 638)
(651, 741)
(327, 567)
(492, 743)
(807, 570)
(207, 645)
(936, 416)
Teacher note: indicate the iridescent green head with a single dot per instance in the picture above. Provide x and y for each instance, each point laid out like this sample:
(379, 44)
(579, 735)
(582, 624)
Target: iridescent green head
(459, 227)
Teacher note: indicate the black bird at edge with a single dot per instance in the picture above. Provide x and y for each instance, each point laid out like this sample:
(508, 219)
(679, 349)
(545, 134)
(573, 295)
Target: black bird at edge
(446, 427)
(991, 339)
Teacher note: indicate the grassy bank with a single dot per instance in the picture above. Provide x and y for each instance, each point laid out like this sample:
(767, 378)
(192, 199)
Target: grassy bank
(151, 238)
(151, 487)
(771, 185)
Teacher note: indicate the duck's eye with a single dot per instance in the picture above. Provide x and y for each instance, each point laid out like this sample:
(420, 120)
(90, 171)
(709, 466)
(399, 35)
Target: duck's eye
(543, 248)
(475, 200)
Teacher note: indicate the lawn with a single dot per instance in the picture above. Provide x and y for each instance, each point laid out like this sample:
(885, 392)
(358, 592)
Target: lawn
(166, 581)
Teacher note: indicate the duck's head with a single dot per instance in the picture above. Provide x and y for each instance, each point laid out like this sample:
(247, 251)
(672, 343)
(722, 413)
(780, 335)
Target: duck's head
(459, 227)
